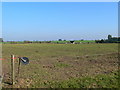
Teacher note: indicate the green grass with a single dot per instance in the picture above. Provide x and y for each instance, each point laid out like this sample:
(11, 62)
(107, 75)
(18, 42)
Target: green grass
(59, 42)
(48, 50)
(85, 41)
(99, 81)
(48, 55)
(77, 41)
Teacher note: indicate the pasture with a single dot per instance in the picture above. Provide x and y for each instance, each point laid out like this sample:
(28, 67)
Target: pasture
(63, 65)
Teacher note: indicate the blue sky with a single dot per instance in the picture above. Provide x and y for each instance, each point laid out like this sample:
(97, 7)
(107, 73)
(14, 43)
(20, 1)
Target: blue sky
(65, 20)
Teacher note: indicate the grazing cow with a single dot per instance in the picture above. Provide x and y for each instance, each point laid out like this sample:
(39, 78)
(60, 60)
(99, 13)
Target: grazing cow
(72, 42)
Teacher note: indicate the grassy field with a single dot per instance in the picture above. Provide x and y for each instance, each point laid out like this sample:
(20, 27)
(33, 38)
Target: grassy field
(58, 42)
(76, 41)
(63, 65)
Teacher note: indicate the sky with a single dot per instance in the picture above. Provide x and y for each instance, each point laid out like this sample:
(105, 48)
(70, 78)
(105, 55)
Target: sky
(60, 0)
(0, 19)
(59, 20)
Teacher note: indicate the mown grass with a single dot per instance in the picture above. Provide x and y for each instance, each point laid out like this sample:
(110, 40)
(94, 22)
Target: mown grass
(99, 81)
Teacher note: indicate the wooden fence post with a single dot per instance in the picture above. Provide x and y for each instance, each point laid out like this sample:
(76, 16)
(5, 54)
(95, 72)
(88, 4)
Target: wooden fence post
(13, 69)
(18, 67)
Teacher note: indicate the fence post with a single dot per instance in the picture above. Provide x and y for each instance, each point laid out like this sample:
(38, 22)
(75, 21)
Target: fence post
(18, 67)
(13, 69)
